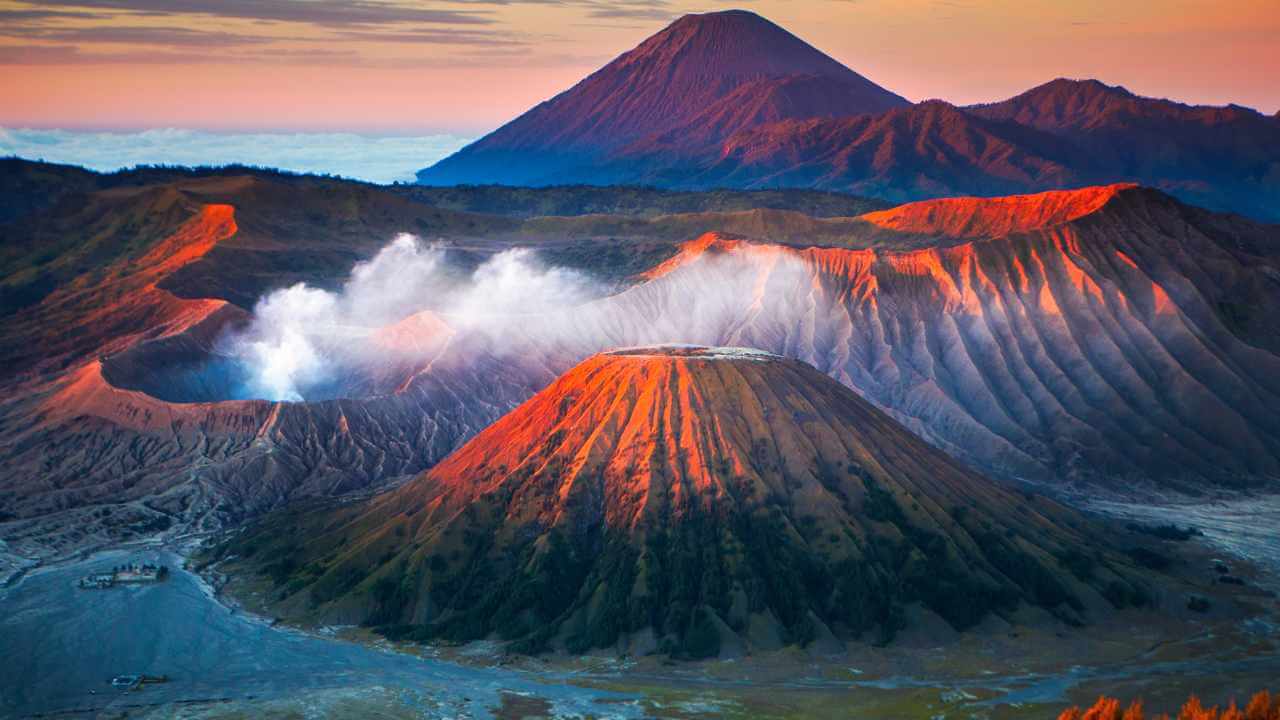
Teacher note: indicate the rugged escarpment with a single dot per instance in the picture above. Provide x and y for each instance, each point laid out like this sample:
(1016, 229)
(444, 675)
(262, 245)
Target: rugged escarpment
(969, 217)
(1122, 339)
(117, 393)
(1107, 335)
(687, 499)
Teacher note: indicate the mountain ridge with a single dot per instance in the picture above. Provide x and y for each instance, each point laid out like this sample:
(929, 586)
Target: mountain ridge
(802, 128)
(1065, 103)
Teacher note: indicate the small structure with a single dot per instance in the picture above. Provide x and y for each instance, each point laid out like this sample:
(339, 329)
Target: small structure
(135, 682)
(127, 682)
(141, 573)
(132, 573)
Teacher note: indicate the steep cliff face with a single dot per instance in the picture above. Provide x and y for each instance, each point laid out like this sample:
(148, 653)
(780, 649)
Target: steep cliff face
(103, 291)
(684, 497)
(1109, 334)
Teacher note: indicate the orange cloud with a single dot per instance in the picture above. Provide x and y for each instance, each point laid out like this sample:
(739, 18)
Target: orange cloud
(382, 65)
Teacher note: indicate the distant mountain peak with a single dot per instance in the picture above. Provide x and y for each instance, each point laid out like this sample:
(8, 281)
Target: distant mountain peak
(735, 43)
(1089, 85)
(671, 80)
(1065, 103)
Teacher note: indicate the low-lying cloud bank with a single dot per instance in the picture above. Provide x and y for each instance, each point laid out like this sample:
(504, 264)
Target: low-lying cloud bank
(362, 157)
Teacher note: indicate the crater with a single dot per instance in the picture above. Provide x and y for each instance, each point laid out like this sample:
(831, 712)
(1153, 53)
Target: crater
(184, 368)
(699, 352)
(201, 366)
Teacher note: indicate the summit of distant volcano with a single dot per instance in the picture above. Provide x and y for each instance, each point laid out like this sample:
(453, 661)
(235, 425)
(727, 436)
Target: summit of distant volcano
(668, 81)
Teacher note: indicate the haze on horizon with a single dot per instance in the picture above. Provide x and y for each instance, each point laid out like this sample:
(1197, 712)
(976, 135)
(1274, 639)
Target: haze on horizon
(467, 66)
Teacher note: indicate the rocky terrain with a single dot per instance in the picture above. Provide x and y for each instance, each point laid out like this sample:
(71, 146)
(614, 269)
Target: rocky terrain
(1106, 337)
(117, 287)
(731, 100)
(687, 499)
(1058, 337)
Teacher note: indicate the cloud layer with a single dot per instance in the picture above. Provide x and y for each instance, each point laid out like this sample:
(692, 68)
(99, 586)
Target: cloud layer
(375, 159)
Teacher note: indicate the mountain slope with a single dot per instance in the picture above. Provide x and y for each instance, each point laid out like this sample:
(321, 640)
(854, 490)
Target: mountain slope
(1061, 105)
(1103, 336)
(925, 150)
(1109, 335)
(731, 100)
(683, 498)
(671, 78)
(1224, 158)
(1063, 134)
(112, 391)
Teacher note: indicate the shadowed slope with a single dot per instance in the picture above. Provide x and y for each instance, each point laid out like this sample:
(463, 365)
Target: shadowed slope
(685, 497)
(1062, 104)
(925, 150)
(1225, 158)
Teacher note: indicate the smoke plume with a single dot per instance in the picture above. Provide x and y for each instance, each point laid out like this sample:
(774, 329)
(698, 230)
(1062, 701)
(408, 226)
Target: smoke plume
(302, 341)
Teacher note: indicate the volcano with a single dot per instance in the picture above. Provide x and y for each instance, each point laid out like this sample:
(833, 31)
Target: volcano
(689, 499)
(731, 100)
(1102, 337)
(709, 75)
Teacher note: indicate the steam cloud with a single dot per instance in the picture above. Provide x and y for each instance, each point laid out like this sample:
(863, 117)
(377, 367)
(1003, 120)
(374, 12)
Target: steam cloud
(401, 308)
(302, 338)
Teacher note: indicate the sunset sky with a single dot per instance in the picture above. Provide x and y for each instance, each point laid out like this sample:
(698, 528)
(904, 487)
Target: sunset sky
(465, 66)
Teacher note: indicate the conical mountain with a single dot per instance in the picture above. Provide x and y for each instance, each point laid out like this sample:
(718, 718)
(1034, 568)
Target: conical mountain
(669, 80)
(689, 499)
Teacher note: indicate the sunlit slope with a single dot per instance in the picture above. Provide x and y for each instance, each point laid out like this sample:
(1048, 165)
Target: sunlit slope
(1107, 334)
(682, 497)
